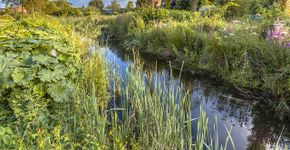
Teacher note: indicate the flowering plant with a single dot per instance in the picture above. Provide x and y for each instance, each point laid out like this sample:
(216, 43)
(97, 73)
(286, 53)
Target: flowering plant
(279, 33)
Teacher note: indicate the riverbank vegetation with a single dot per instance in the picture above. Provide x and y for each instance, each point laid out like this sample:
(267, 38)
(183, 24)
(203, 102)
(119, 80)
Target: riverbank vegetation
(58, 92)
(250, 53)
(42, 65)
(55, 95)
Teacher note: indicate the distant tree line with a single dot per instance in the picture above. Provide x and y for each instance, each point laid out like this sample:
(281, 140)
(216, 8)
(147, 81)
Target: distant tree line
(245, 6)
(54, 7)
(63, 7)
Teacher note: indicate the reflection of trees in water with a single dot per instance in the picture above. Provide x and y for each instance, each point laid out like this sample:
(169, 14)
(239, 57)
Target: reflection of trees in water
(236, 112)
(266, 123)
(267, 127)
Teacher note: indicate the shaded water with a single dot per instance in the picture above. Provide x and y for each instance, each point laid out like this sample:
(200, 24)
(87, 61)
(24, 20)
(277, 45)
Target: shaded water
(254, 124)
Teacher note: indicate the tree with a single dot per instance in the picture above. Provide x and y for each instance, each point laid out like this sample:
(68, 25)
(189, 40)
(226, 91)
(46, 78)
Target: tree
(63, 8)
(97, 4)
(50, 7)
(142, 3)
(129, 6)
(34, 5)
(115, 6)
(148, 3)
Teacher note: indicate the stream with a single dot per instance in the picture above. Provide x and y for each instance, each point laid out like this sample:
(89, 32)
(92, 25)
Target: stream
(254, 125)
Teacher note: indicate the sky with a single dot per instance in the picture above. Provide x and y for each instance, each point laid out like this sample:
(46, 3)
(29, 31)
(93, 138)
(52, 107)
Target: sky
(79, 3)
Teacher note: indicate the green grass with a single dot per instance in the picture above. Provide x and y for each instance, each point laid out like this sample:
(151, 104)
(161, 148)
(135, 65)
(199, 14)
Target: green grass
(78, 105)
(55, 109)
(236, 52)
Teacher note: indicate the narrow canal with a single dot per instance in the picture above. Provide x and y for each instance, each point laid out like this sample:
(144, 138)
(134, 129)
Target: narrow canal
(254, 124)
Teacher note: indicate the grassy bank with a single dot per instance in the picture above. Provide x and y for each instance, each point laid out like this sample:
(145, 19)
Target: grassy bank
(55, 94)
(239, 52)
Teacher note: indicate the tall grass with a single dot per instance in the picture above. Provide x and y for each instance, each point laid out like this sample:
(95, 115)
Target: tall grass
(236, 52)
(144, 112)
(103, 111)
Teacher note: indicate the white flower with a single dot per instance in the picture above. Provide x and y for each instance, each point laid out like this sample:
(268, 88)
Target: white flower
(232, 34)
(236, 21)
(53, 53)
(254, 27)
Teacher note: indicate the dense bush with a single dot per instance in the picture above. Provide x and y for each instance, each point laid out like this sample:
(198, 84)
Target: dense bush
(181, 15)
(42, 67)
(151, 14)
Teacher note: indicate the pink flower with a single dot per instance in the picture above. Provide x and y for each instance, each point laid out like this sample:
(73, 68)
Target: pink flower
(278, 33)
(288, 45)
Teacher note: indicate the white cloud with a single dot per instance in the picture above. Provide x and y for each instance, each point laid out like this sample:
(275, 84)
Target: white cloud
(2, 5)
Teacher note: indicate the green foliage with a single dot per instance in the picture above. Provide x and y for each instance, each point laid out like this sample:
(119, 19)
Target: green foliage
(39, 66)
(130, 6)
(55, 100)
(115, 6)
(97, 4)
(184, 4)
(89, 26)
(167, 4)
(152, 14)
(9, 140)
(143, 3)
(237, 52)
(90, 11)
(65, 9)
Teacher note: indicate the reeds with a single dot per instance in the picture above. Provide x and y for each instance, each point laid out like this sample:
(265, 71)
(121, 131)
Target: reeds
(145, 111)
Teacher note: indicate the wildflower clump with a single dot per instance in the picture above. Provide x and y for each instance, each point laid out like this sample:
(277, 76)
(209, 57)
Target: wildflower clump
(279, 33)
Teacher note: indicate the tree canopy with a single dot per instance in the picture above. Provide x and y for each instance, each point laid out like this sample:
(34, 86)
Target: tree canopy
(97, 4)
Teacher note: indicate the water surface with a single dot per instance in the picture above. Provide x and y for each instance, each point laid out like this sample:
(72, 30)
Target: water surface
(254, 124)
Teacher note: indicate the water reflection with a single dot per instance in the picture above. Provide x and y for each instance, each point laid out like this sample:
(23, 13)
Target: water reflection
(254, 124)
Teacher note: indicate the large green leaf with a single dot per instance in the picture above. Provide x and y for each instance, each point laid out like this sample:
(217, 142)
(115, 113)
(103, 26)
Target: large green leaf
(61, 91)
(44, 59)
(22, 76)
(18, 75)
(49, 76)
(4, 61)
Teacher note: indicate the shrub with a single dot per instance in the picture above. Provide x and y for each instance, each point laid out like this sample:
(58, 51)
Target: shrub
(152, 14)
(41, 72)
(181, 15)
